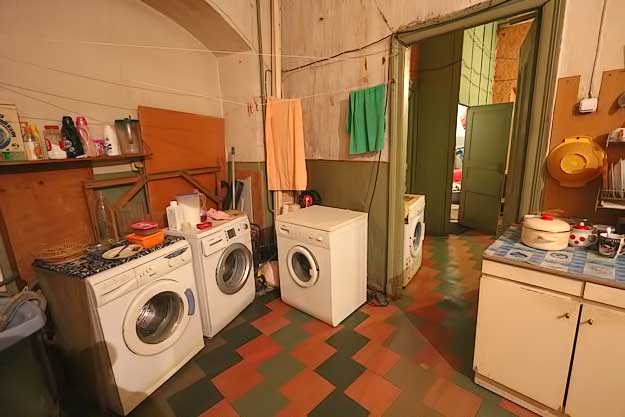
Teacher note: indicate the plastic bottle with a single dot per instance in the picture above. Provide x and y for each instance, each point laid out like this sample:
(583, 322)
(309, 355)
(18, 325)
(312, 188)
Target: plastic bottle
(40, 149)
(104, 221)
(73, 145)
(174, 216)
(85, 138)
(29, 147)
(111, 143)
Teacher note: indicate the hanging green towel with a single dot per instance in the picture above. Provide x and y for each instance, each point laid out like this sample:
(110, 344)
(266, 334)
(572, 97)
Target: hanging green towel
(366, 119)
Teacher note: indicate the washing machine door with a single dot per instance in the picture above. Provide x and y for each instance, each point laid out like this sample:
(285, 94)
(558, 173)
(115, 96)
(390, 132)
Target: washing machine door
(303, 267)
(157, 317)
(416, 238)
(233, 268)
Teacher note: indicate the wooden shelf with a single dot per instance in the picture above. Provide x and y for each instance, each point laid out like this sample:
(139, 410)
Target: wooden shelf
(46, 164)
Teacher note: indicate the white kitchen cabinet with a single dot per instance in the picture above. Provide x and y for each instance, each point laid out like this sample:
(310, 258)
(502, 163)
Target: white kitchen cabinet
(525, 338)
(597, 385)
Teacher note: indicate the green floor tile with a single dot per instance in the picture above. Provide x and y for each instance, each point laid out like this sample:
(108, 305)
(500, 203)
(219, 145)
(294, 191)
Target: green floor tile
(290, 336)
(406, 406)
(338, 404)
(467, 383)
(280, 369)
(412, 378)
(405, 342)
(260, 401)
(240, 335)
(218, 360)
(340, 371)
(297, 317)
(254, 311)
(347, 342)
(195, 399)
(355, 319)
(490, 409)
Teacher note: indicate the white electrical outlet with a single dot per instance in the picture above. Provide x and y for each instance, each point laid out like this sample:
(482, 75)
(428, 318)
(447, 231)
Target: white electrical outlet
(588, 105)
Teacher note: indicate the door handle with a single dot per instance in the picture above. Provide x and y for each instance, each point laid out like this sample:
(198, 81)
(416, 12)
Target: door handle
(565, 316)
(589, 322)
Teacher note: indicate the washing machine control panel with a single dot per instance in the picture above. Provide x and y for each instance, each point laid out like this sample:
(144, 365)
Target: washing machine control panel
(162, 266)
(304, 235)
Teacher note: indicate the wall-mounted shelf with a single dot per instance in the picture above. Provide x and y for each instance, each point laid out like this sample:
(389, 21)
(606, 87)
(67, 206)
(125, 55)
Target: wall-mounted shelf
(48, 164)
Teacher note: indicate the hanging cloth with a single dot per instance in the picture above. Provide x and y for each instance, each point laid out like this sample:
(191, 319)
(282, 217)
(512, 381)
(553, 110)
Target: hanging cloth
(284, 135)
(366, 119)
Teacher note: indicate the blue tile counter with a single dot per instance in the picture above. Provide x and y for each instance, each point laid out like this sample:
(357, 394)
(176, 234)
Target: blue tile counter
(578, 263)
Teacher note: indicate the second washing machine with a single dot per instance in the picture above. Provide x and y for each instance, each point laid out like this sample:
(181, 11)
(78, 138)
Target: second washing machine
(224, 271)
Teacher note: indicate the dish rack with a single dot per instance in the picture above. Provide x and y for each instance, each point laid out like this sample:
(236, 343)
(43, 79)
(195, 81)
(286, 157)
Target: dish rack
(612, 192)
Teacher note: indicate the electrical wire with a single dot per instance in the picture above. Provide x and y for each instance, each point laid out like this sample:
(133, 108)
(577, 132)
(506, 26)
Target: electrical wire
(594, 65)
(348, 51)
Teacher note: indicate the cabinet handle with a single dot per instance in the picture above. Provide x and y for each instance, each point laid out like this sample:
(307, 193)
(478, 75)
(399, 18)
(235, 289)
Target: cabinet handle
(589, 322)
(565, 316)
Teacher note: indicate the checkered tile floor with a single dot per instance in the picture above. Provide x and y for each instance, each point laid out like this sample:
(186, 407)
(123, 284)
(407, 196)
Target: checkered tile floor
(410, 359)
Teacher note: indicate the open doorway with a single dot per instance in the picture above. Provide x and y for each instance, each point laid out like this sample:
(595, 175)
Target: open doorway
(468, 105)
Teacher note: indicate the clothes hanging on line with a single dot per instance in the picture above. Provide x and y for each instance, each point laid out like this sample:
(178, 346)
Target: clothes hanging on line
(366, 119)
(284, 134)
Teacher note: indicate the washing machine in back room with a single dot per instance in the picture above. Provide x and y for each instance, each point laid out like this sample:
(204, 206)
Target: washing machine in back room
(414, 233)
(322, 256)
(224, 271)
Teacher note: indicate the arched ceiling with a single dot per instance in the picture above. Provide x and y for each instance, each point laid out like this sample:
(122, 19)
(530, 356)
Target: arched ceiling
(204, 22)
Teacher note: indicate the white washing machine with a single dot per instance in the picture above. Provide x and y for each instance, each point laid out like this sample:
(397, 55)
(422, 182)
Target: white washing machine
(414, 232)
(322, 253)
(224, 271)
(149, 321)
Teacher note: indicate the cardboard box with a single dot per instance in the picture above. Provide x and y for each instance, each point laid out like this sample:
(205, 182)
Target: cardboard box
(11, 141)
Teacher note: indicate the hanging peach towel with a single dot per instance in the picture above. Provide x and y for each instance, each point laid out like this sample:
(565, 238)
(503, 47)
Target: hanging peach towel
(284, 133)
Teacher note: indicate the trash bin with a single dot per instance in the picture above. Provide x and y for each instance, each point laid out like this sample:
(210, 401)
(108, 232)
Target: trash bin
(28, 387)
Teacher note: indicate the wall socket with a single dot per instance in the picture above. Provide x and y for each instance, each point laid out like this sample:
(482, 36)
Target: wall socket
(588, 105)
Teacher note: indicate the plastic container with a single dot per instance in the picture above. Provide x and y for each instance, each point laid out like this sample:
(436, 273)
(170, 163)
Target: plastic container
(71, 141)
(129, 135)
(111, 142)
(174, 216)
(147, 241)
(85, 137)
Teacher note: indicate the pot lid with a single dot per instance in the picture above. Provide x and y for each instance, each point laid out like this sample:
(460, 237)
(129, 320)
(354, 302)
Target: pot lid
(547, 223)
(582, 226)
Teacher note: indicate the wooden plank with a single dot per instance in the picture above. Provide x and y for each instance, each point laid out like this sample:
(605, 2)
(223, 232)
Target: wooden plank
(580, 202)
(180, 142)
(44, 208)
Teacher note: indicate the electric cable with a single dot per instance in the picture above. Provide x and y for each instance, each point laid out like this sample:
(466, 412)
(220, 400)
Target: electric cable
(594, 65)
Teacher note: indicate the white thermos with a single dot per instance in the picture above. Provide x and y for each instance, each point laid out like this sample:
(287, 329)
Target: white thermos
(111, 143)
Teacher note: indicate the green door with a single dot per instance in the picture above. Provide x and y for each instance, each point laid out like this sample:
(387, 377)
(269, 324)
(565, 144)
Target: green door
(484, 166)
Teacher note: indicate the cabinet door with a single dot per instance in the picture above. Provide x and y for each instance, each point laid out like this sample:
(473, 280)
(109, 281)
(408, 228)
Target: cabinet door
(597, 383)
(525, 339)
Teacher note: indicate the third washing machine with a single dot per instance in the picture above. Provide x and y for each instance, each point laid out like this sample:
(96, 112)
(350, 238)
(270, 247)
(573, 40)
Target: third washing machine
(414, 232)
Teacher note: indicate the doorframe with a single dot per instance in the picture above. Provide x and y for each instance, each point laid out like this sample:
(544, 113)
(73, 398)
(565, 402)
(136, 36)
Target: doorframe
(551, 24)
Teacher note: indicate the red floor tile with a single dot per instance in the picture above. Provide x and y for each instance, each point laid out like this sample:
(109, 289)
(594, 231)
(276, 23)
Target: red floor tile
(270, 323)
(373, 392)
(279, 307)
(515, 409)
(376, 358)
(304, 392)
(259, 350)
(451, 400)
(221, 409)
(320, 329)
(377, 331)
(312, 352)
(237, 380)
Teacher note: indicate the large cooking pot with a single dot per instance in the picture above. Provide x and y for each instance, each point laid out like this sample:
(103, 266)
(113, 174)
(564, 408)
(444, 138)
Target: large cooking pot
(545, 232)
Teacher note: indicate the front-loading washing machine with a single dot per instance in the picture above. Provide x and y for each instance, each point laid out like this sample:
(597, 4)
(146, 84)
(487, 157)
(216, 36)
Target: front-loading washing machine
(224, 271)
(322, 256)
(128, 328)
(414, 233)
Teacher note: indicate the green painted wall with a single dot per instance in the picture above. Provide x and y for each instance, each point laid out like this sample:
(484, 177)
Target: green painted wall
(348, 185)
(432, 132)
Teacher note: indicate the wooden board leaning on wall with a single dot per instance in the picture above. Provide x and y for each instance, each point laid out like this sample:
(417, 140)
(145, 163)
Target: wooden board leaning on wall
(580, 202)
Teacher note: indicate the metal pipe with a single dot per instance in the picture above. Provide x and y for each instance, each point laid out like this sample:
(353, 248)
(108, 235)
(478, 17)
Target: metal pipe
(234, 181)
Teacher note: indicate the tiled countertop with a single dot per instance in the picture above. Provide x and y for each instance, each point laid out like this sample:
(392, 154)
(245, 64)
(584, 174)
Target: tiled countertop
(92, 262)
(578, 263)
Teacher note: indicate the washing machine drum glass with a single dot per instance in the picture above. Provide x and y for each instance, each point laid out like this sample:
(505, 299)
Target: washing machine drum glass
(234, 268)
(417, 237)
(158, 317)
(302, 266)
